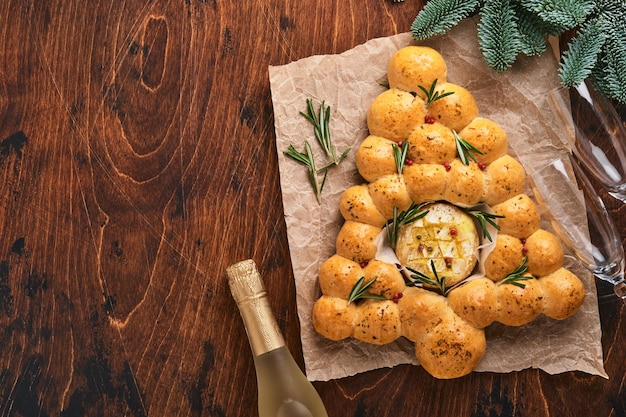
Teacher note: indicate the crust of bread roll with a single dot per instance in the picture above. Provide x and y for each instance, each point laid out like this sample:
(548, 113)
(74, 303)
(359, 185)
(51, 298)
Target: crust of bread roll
(389, 280)
(564, 293)
(425, 182)
(333, 317)
(431, 144)
(420, 310)
(356, 241)
(521, 216)
(394, 114)
(475, 301)
(504, 178)
(452, 349)
(544, 252)
(519, 306)
(375, 158)
(388, 192)
(338, 275)
(413, 66)
(356, 204)
(488, 137)
(377, 322)
(465, 184)
(504, 258)
(456, 110)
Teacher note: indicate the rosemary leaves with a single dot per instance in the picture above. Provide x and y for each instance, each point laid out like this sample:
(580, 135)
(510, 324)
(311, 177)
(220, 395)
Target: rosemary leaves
(518, 275)
(484, 219)
(465, 149)
(321, 131)
(417, 277)
(413, 213)
(432, 94)
(360, 291)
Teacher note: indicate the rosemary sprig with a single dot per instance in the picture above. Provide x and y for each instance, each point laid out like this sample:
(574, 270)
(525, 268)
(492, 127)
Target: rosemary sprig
(431, 94)
(321, 129)
(360, 291)
(421, 278)
(399, 154)
(485, 218)
(413, 213)
(465, 149)
(306, 158)
(518, 275)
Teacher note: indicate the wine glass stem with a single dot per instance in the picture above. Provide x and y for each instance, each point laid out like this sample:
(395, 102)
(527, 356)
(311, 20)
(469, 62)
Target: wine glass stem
(620, 290)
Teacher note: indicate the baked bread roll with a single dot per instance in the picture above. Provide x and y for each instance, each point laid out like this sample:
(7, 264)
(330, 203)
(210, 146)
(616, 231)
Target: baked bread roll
(394, 114)
(544, 252)
(375, 158)
(520, 216)
(456, 110)
(425, 182)
(504, 178)
(488, 137)
(476, 301)
(431, 143)
(452, 348)
(357, 204)
(415, 66)
(563, 294)
(507, 254)
(334, 317)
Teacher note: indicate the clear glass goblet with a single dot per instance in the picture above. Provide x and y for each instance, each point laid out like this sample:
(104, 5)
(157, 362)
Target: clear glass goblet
(595, 133)
(569, 201)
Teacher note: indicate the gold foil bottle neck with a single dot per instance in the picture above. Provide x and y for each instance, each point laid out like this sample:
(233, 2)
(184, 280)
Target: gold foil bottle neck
(245, 281)
(248, 291)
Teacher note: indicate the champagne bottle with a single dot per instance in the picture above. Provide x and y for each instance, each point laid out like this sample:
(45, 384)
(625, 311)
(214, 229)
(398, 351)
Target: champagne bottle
(283, 390)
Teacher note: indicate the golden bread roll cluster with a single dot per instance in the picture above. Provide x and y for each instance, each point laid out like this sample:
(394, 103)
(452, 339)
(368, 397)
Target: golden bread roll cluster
(447, 328)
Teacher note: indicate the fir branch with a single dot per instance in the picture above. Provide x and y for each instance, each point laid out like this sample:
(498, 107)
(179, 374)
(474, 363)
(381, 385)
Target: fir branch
(508, 28)
(418, 277)
(360, 291)
(438, 16)
(531, 29)
(561, 15)
(581, 55)
(465, 149)
(610, 71)
(499, 37)
(408, 216)
(518, 275)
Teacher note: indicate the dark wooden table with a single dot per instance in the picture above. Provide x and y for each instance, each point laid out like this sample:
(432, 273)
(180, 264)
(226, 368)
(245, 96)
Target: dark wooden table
(138, 160)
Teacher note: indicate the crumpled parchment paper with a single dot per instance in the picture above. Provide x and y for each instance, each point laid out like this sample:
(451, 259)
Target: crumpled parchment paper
(348, 83)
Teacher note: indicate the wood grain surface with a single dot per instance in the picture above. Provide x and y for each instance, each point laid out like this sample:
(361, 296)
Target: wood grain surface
(137, 161)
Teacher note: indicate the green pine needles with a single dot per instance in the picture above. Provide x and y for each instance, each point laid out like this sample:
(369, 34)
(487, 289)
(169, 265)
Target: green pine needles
(508, 28)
